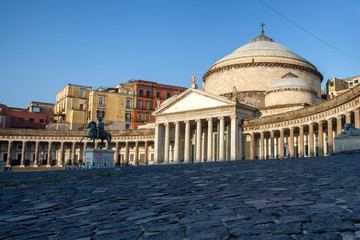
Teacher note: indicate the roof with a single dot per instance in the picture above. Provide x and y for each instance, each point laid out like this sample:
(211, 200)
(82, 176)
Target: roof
(262, 46)
(290, 81)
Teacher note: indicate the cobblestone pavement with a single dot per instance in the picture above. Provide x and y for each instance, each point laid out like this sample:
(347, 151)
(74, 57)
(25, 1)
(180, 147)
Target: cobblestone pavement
(313, 198)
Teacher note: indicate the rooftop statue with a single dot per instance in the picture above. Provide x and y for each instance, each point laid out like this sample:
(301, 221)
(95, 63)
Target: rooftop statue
(193, 84)
(349, 130)
(97, 133)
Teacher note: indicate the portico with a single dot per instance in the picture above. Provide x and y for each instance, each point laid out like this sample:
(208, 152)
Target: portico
(197, 126)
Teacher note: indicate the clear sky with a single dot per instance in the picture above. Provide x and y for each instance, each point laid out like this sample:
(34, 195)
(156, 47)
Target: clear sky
(46, 44)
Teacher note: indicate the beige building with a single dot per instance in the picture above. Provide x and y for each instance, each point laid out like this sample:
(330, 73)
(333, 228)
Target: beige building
(337, 86)
(71, 107)
(114, 104)
(77, 105)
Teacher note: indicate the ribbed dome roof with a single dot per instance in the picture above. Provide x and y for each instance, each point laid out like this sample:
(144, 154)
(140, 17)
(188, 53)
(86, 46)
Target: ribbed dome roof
(290, 81)
(262, 46)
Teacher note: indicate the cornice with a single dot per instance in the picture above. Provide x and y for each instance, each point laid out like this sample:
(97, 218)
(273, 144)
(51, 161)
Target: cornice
(263, 64)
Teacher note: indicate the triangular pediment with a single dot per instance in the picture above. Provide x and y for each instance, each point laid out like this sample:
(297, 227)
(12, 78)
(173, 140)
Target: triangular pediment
(193, 99)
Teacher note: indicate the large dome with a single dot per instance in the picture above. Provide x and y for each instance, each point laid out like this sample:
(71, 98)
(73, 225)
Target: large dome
(255, 67)
(262, 46)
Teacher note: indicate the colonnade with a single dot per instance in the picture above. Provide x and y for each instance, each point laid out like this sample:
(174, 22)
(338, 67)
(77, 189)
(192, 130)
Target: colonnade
(199, 140)
(60, 153)
(305, 140)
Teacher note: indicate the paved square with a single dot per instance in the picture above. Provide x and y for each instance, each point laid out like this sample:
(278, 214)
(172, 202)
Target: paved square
(312, 198)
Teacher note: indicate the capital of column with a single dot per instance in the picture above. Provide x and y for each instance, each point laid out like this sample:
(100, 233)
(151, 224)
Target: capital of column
(198, 120)
(209, 119)
(234, 117)
(221, 118)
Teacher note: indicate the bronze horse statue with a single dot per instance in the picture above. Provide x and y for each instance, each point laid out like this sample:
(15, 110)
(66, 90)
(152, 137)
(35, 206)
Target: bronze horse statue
(95, 133)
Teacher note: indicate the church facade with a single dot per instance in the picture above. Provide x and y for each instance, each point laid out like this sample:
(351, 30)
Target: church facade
(262, 101)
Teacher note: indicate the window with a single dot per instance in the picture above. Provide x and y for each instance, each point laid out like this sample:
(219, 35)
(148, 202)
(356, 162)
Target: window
(331, 84)
(127, 117)
(356, 81)
(140, 104)
(101, 101)
(158, 94)
(35, 109)
(140, 117)
(31, 120)
(12, 118)
(140, 92)
(127, 126)
(42, 120)
(148, 93)
(21, 119)
(128, 103)
(147, 105)
(147, 117)
(81, 107)
(128, 92)
(351, 84)
(168, 94)
(82, 93)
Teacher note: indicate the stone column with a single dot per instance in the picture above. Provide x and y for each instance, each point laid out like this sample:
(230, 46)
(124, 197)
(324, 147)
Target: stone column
(177, 143)
(339, 124)
(198, 141)
(252, 146)
(157, 145)
(116, 162)
(321, 138)
(221, 139)
(137, 153)
(127, 153)
(241, 143)
(8, 159)
(60, 161)
(22, 163)
(348, 117)
(234, 138)
(187, 142)
(146, 152)
(73, 153)
(84, 153)
(311, 139)
(262, 149)
(210, 140)
(228, 144)
(330, 137)
(291, 143)
(48, 163)
(272, 144)
(36, 157)
(281, 144)
(357, 118)
(96, 144)
(167, 143)
(106, 145)
(301, 141)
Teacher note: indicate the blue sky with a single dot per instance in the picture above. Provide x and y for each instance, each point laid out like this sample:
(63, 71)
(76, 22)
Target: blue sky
(45, 45)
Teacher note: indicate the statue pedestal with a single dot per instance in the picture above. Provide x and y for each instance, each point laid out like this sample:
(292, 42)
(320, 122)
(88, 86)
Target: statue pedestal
(99, 158)
(348, 144)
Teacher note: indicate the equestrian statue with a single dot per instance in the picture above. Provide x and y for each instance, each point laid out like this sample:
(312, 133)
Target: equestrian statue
(97, 133)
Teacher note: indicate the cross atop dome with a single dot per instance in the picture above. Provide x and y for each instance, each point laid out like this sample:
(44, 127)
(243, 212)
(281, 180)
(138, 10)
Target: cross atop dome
(262, 28)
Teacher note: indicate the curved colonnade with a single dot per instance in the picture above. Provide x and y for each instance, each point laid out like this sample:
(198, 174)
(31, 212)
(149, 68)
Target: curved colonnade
(25, 147)
(302, 133)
